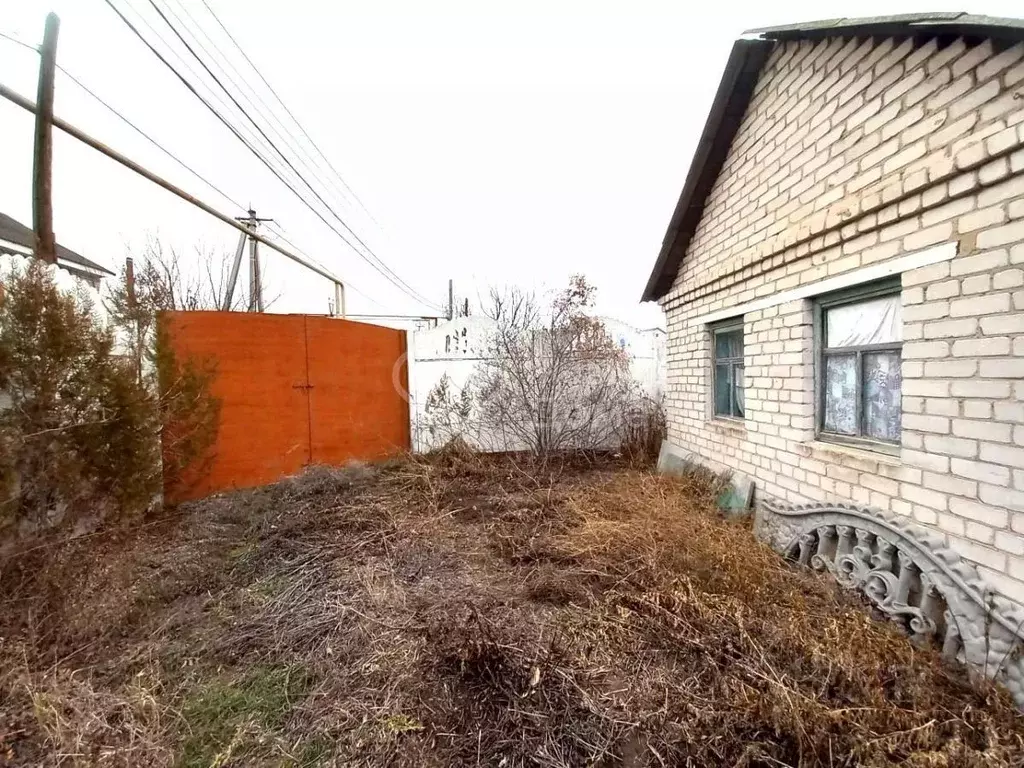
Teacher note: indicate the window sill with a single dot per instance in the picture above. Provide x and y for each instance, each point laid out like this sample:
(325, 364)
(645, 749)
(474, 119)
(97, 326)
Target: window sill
(864, 454)
(729, 426)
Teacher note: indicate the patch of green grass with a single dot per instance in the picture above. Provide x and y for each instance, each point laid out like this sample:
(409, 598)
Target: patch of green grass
(223, 716)
(242, 552)
(401, 724)
(269, 587)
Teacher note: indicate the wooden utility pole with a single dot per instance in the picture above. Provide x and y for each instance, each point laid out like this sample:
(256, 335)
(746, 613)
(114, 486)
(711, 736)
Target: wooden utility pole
(255, 280)
(129, 280)
(451, 299)
(15, 98)
(229, 291)
(255, 293)
(42, 172)
(133, 303)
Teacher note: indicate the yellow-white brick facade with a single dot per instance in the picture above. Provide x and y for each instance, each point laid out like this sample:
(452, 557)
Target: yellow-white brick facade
(853, 153)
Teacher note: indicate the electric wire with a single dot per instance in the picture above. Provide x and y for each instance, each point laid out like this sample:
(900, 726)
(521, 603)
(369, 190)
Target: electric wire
(272, 225)
(369, 256)
(192, 89)
(224, 63)
(285, 108)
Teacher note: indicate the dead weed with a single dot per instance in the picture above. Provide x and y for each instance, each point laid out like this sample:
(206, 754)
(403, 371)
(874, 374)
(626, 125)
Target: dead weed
(459, 610)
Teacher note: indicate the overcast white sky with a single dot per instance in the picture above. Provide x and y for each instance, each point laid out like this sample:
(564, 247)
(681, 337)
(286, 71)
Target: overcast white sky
(493, 142)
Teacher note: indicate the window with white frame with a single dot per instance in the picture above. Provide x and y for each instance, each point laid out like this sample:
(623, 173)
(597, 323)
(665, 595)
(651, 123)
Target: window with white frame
(727, 369)
(859, 338)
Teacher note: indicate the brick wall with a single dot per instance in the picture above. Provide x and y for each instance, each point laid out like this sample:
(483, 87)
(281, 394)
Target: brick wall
(856, 153)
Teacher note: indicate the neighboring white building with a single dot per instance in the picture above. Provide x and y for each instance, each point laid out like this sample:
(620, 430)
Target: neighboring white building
(843, 281)
(72, 273)
(18, 240)
(454, 349)
(646, 350)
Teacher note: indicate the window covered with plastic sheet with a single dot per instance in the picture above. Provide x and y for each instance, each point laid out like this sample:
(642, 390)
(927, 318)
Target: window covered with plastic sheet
(727, 369)
(860, 338)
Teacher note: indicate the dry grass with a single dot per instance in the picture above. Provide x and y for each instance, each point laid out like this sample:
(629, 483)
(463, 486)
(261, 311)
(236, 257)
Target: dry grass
(465, 611)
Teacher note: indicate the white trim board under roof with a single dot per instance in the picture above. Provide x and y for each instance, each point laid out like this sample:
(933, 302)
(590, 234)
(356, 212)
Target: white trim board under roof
(924, 258)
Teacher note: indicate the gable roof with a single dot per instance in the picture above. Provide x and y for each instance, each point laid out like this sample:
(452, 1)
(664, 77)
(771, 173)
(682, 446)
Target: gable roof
(746, 59)
(15, 232)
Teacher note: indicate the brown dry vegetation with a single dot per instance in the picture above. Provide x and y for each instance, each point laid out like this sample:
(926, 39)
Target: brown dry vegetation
(465, 611)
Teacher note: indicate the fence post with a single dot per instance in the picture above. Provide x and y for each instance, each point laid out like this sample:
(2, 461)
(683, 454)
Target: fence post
(339, 300)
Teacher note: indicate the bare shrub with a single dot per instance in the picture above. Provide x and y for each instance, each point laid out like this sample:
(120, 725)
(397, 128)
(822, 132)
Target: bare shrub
(162, 272)
(643, 429)
(161, 282)
(447, 412)
(552, 379)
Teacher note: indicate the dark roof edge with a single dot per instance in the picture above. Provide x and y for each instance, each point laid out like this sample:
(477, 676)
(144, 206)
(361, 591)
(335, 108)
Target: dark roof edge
(942, 23)
(13, 231)
(727, 110)
(741, 73)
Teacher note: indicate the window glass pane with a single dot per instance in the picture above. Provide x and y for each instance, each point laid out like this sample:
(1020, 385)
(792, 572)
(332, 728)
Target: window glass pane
(722, 385)
(841, 394)
(875, 321)
(882, 404)
(729, 344)
(737, 392)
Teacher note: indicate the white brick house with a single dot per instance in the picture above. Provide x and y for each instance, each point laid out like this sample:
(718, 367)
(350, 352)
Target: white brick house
(843, 280)
(18, 241)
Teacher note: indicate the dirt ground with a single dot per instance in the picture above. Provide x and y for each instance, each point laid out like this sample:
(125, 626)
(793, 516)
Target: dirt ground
(456, 610)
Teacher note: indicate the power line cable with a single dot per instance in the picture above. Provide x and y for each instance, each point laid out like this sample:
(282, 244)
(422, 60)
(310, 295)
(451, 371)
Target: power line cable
(228, 125)
(132, 125)
(250, 139)
(183, 164)
(26, 104)
(243, 88)
(400, 283)
(285, 108)
(247, 142)
(370, 256)
(283, 132)
(291, 144)
(250, 136)
(267, 113)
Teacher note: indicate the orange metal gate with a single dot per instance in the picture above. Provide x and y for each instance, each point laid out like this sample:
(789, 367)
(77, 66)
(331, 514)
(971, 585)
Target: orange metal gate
(294, 390)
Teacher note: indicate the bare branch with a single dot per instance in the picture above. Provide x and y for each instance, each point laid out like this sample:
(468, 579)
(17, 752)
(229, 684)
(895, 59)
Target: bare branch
(552, 379)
